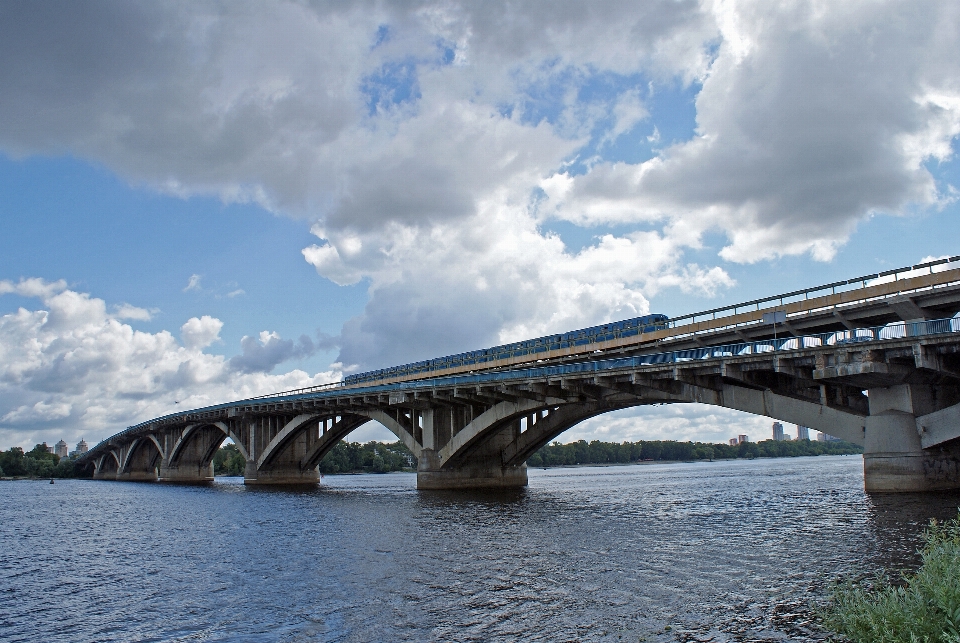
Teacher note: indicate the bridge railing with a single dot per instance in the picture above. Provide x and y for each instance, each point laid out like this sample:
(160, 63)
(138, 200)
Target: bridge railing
(808, 293)
(806, 301)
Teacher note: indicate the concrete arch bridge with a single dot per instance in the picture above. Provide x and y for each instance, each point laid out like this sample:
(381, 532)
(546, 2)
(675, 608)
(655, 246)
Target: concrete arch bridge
(893, 387)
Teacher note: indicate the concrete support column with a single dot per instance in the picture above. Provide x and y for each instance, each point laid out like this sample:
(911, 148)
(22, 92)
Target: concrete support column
(139, 476)
(893, 458)
(283, 465)
(186, 473)
(483, 469)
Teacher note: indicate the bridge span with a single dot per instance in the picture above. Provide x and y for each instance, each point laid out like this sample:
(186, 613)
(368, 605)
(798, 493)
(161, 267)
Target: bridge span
(893, 387)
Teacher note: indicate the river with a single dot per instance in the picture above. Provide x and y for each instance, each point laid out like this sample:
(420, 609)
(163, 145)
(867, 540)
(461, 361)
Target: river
(710, 551)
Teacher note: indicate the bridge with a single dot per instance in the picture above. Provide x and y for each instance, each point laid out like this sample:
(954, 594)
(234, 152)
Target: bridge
(873, 360)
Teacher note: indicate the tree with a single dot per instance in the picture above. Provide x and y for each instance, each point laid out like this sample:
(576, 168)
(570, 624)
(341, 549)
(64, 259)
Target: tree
(228, 461)
(12, 461)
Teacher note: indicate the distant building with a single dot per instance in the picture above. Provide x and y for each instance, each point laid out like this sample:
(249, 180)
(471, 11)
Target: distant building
(61, 449)
(82, 446)
(823, 437)
(734, 442)
(49, 449)
(743, 438)
(803, 433)
(777, 432)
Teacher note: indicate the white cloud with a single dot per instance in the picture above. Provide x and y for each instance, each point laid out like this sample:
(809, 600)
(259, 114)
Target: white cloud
(193, 284)
(421, 157)
(496, 277)
(126, 311)
(199, 332)
(262, 354)
(810, 118)
(70, 370)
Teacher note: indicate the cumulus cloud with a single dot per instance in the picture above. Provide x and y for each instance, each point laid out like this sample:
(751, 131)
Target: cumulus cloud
(416, 136)
(497, 277)
(199, 332)
(261, 354)
(126, 311)
(806, 125)
(70, 370)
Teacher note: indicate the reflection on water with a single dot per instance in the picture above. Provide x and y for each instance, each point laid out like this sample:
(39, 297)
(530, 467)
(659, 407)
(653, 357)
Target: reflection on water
(722, 551)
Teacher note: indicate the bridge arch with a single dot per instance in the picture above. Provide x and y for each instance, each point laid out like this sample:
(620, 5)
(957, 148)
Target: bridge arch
(331, 428)
(549, 426)
(143, 458)
(488, 432)
(107, 465)
(485, 425)
(191, 457)
(289, 431)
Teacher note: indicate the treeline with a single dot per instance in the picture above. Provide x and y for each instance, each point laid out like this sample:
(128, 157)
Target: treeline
(597, 452)
(372, 457)
(38, 463)
(346, 457)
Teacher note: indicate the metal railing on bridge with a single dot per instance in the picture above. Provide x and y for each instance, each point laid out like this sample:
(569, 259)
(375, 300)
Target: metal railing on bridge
(847, 285)
(679, 323)
(895, 331)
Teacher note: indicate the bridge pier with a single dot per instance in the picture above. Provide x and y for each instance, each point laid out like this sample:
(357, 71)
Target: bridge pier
(482, 472)
(894, 458)
(138, 476)
(187, 473)
(280, 475)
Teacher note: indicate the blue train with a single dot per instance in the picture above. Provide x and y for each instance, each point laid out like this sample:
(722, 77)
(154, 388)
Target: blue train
(582, 337)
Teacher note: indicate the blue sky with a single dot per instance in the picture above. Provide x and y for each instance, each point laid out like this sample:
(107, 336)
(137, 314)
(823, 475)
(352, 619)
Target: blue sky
(211, 202)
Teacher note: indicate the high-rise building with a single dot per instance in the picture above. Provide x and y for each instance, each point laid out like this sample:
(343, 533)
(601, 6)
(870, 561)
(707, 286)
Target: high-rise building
(803, 433)
(734, 442)
(82, 446)
(61, 449)
(778, 432)
(49, 449)
(743, 438)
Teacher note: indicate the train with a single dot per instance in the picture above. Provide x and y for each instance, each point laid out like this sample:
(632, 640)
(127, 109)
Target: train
(487, 357)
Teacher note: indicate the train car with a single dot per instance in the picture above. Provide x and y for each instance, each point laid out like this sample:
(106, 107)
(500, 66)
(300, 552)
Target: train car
(488, 356)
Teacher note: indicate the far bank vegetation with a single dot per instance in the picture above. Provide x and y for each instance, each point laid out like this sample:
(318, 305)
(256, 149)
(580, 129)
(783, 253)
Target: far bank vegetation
(379, 457)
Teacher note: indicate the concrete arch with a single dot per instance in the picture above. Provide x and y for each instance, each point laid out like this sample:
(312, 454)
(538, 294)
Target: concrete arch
(289, 430)
(484, 425)
(233, 436)
(340, 430)
(396, 428)
(189, 434)
(328, 440)
(156, 443)
(178, 445)
(558, 420)
(191, 458)
(108, 463)
(135, 450)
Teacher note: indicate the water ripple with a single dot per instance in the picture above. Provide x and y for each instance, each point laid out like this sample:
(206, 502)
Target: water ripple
(723, 551)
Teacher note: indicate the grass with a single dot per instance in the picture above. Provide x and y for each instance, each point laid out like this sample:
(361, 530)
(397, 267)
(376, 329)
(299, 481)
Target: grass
(924, 608)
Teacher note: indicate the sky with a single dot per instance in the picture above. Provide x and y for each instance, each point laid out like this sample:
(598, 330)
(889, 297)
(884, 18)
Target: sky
(205, 201)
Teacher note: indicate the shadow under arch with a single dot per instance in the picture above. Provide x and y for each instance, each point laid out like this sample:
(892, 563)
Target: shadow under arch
(191, 457)
(142, 461)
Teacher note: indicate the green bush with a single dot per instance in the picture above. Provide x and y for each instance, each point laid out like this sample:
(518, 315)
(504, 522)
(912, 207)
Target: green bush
(925, 608)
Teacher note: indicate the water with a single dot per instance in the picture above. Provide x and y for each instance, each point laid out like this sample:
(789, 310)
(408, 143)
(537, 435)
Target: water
(722, 551)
